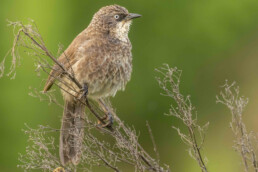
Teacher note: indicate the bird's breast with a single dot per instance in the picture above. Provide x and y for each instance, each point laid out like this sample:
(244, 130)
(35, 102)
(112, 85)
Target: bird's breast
(108, 71)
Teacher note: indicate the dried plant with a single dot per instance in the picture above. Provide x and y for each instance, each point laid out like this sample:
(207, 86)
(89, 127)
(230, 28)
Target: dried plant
(40, 155)
(183, 109)
(124, 149)
(244, 141)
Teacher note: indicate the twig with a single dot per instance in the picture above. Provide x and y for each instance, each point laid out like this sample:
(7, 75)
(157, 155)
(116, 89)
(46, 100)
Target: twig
(153, 141)
(231, 98)
(183, 110)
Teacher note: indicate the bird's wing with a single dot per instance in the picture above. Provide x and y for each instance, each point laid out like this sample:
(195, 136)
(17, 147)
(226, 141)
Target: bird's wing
(56, 72)
(67, 59)
(91, 50)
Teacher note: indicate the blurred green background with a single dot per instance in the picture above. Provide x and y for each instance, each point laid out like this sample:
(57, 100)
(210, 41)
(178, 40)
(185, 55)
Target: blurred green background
(209, 40)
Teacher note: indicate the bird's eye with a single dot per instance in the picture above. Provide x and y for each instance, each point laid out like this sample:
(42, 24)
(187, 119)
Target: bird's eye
(116, 16)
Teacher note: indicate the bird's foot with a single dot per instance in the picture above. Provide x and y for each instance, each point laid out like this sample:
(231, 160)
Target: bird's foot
(84, 91)
(59, 169)
(108, 119)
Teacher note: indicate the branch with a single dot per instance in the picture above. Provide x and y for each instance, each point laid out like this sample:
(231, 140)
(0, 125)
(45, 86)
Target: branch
(169, 83)
(244, 140)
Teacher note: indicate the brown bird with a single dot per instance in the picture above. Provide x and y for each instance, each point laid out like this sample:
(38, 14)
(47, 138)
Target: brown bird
(100, 59)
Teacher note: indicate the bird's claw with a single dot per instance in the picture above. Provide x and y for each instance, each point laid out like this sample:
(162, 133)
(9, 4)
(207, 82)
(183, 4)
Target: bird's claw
(108, 119)
(84, 91)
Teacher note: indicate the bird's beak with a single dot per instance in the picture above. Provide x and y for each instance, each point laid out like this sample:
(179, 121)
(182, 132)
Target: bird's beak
(131, 16)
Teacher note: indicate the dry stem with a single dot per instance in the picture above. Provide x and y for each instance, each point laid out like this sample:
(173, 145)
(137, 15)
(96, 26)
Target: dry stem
(244, 141)
(183, 110)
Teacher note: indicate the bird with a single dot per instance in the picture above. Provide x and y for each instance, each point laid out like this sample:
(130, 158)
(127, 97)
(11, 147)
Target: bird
(100, 59)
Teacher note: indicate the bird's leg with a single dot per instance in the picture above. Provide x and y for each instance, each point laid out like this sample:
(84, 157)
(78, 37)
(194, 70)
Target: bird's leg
(108, 116)
(84, 91)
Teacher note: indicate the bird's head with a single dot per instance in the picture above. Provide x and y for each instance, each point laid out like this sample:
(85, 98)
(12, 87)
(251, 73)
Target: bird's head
(114, 20)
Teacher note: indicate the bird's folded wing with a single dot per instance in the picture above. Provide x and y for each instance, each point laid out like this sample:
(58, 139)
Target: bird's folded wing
(91, 51)
(67, 60)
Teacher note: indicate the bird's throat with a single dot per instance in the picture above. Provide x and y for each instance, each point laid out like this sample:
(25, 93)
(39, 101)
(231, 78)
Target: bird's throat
(121, 31)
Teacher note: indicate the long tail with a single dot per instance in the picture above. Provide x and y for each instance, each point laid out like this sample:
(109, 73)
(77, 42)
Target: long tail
(72, 132)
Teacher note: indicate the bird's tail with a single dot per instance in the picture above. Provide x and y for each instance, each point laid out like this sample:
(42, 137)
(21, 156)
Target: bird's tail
(72, 132)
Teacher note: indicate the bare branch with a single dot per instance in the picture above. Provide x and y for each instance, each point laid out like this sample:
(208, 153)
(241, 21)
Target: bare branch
(169, 82)
(153, 141)
(244, 140)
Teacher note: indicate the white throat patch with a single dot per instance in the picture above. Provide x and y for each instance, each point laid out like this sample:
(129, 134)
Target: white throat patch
(122, 30)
